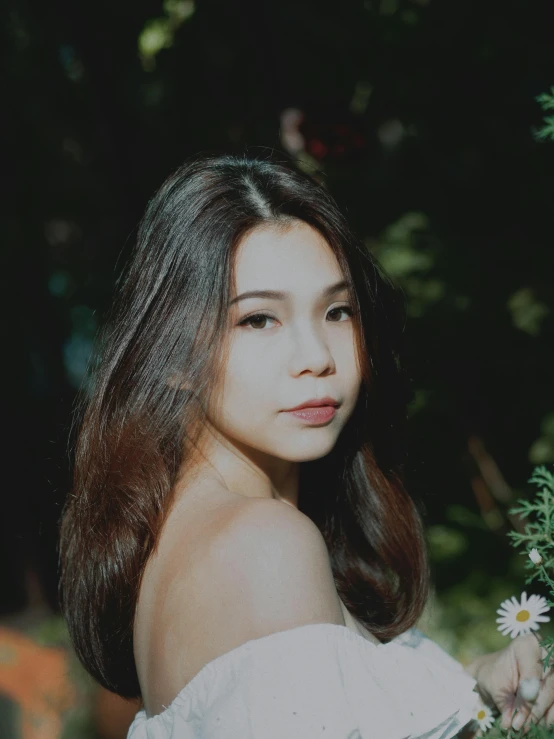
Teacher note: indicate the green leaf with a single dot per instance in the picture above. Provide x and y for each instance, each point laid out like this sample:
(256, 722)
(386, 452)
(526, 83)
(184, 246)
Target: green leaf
(546, 100)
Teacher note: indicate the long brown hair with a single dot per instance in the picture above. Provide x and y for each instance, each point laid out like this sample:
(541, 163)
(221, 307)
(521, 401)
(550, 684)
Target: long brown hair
(166, 331)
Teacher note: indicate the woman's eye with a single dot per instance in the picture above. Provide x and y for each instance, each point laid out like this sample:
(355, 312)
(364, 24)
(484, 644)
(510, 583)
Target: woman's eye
(345, 308)
(250, 320)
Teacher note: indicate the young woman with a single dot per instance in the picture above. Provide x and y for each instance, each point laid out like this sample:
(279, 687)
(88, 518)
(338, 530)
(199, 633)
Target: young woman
(239, 551)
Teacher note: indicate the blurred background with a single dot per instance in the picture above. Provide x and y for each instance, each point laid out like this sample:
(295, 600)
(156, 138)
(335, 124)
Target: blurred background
(421, 117)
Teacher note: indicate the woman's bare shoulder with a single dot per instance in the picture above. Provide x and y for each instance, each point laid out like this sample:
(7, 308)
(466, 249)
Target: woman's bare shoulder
(267, 570)
(263, 569)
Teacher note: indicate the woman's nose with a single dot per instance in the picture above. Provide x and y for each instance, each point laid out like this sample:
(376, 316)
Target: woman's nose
(311, 352)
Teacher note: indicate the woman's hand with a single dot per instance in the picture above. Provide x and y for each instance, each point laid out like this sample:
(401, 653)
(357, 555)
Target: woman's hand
(514, 679)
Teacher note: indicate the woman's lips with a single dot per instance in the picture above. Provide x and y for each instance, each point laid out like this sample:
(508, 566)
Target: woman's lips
(315, 416)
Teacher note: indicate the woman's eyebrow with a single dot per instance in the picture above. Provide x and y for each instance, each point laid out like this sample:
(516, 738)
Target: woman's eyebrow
(280, 295)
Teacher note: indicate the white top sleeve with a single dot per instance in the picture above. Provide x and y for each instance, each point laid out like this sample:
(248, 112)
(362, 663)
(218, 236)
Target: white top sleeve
(320, 681)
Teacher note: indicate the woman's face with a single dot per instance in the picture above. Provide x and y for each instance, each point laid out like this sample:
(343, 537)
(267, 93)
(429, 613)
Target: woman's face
(303, 348)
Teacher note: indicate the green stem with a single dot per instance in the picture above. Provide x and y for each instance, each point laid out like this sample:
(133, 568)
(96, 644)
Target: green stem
(547, 578)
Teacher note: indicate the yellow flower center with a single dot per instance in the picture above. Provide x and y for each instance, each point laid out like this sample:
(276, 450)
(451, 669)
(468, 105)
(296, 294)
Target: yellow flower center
(481, 715)
(523, 616)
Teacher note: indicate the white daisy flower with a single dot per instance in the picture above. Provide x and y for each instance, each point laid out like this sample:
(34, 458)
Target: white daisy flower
(483, 715)
(535, 557)
(520, 618)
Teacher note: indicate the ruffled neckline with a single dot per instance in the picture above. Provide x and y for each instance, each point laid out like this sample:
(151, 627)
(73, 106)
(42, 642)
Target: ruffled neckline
(422, 692)
(227, 659)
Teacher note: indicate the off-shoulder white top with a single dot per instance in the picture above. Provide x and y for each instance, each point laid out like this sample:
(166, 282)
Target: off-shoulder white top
(320, 681)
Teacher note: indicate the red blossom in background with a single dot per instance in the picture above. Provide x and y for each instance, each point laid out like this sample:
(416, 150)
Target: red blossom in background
(322, 140)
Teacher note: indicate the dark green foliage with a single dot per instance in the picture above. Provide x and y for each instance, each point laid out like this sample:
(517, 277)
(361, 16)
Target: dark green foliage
(547, 103)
